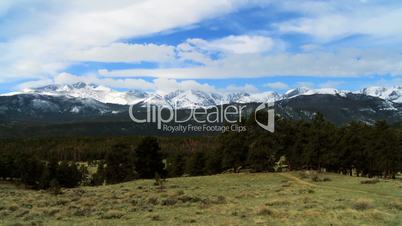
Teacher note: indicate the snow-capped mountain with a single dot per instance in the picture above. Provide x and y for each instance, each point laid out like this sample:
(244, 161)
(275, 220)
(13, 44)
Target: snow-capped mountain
(37, 104)
(177, 99)
(306, 91)
(249, 98)
(393, 94)
(88, 91)
(194, 98)
(96, 109)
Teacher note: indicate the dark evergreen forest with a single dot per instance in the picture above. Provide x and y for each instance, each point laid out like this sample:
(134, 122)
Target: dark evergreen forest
(366, 150)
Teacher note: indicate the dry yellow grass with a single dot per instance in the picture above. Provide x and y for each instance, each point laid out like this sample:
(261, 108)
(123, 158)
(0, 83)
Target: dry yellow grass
(229, 199)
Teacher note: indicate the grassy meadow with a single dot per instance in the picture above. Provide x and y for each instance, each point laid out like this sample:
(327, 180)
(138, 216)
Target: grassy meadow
(293, 198)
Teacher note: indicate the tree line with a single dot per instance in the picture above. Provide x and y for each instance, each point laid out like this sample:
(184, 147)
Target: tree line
(366, 150)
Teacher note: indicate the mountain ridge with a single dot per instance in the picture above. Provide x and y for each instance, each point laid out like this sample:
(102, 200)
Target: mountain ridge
(192, 98)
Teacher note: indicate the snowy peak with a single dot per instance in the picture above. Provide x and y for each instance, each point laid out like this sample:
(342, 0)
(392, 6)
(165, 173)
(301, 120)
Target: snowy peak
(243, 97)
(91, 91)
(393, 94)
(296, 92)
(306, 91)
(193, 98)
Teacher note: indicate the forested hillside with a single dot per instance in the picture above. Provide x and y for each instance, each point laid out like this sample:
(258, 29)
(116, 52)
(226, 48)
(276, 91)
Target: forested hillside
(365, 150)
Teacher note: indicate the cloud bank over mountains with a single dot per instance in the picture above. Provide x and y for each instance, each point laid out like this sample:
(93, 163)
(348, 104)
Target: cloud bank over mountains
(180, 42)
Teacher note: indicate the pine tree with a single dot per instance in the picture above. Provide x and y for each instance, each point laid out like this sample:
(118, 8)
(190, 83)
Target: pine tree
(262, 154)
(120, 165)
(148, 158)
(196, 164)
(235, 150)
(176, 163)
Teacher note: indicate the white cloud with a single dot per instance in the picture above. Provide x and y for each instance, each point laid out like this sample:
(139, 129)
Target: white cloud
(126, 53)
(165, 85)
(83, 26)
(248, 88)
(66, 78)
(342, 63)
(306, 84)
(331, 84)
(51, 35)
(331, 20)
(241, 44)
(34, 83)
(277, 85)
(162, 85)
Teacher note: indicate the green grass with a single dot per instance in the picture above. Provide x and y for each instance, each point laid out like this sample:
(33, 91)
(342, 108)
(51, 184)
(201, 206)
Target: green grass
(228, 199)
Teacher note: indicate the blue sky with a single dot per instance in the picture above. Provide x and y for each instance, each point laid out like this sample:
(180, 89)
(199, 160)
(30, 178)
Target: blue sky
(219, 45)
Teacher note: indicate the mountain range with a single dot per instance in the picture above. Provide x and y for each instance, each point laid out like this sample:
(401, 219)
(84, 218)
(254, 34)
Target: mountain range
(89, 109)
(184, 99)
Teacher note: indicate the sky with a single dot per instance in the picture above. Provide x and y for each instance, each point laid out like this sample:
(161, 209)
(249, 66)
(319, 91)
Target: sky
(212, 45)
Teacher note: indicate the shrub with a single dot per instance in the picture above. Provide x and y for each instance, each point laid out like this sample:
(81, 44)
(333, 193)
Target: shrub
(155, 218)
(54, 188)
(373, 181)
(316, 178)
(169, 202)
(303, 175)
(13, 207)
(220, 200)
(112, 214)
(326, 179)
(362, 204)
(153, 200)
(395, 205)
(264, 211)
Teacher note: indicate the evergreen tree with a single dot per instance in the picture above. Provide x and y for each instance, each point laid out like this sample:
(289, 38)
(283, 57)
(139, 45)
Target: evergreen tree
(120, 165)
(385, 151)
(148, 158)
(319, 143)
(176, 163)
(196, 164)
(234, 150)
(213, 164)
(68, 174)
(30, 170)
(262, 154)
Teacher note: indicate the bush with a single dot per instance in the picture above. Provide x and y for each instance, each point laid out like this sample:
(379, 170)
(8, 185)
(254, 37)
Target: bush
(54, 188)
(68, 174)
(303, 175)
(373, 181)
(169, 202)
(395, 205)
(153, 200)
(112, 214)
(317, 178)
(362, 204)
(264, 212)
(326, 179)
